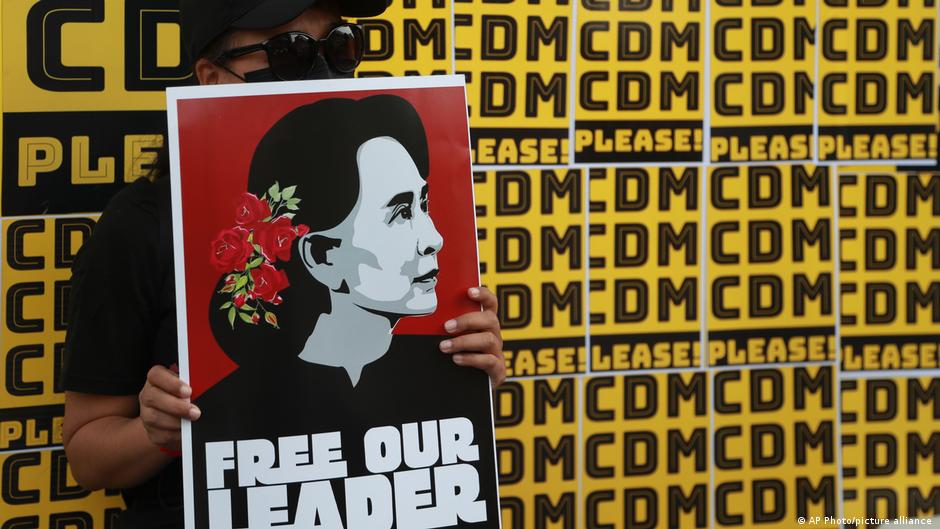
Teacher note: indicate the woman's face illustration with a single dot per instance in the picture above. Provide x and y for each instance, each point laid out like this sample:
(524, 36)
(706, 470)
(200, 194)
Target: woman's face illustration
(388, 253)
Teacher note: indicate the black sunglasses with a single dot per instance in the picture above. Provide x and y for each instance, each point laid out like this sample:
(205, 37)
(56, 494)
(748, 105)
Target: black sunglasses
(292, 55)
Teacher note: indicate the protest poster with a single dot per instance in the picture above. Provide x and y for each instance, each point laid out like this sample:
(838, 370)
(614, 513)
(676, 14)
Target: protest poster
(324, 232)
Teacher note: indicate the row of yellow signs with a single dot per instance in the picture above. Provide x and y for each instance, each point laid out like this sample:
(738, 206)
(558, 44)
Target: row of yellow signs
(749, 448)
(549, 83)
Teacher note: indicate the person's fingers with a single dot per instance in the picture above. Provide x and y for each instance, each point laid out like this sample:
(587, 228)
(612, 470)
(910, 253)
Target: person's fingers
(485, 297)
(481, 342)
(168, 381)
(155, 398)
(472, 322)
(491, 364)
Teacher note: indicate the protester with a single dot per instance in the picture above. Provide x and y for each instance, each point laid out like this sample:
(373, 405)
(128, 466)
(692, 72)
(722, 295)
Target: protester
(123, 400)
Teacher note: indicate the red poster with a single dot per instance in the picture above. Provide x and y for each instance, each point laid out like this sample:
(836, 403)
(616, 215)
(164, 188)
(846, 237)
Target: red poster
(324, 232)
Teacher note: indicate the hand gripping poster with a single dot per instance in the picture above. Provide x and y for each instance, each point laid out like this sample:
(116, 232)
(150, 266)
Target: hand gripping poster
(324, 232)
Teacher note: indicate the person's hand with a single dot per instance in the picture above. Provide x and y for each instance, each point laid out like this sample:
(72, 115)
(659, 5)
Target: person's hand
(477, 341)
(163, 402)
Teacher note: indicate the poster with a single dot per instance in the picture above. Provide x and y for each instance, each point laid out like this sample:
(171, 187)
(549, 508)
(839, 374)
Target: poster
(314, 284)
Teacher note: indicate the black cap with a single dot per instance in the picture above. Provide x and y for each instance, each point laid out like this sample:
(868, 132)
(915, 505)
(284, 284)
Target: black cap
(204, 20)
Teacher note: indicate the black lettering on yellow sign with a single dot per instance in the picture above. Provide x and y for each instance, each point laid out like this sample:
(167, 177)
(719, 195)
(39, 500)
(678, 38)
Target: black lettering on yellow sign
(629, 32)
(766, 240)
(16, 384)
(513, 59)
(514, 192)
(12, 492)
(59, 489)
(872, 44)
(63, 504)
(638, 500)
(142, 18)
(74, 161)
(530, 228)
(546, 512)
(381, 39)
(776, 463)
(643, 453)
(888, 240)
(670, 293)
(511, 410)
(500, 42)
(564, 299)
(17, 258)
(889, 442)
(742, 99)
(905, 97)
(636, 236)
(679, 391)
(44, 46)
(624, 98)
(527, 457)
(633, 239)
(513, 197)
(728, 512)
(16, 321)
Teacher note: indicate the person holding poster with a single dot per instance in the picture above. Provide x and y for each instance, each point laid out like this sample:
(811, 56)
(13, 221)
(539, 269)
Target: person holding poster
(123, 402)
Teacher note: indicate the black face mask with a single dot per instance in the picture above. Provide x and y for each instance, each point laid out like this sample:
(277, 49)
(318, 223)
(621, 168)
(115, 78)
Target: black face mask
(321, 70)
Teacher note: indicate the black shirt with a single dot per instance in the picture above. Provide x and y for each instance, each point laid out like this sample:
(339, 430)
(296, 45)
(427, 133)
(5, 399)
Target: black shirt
(122, 322)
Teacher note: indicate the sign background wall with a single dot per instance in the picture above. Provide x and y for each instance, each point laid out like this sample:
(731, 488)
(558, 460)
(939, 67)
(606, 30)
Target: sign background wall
(711, 226)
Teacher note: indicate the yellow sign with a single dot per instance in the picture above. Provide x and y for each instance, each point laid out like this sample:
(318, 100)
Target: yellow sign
(890, 254)
(530, 226)
(537, 452)
(410, 38)
(877, 86)
(639, 75)
(514, 55)
(646, 451)
(775, 446)
(39, 491)
(762, 66)
(37, 256)
(645, 272)
(771, 265)
(889, 447)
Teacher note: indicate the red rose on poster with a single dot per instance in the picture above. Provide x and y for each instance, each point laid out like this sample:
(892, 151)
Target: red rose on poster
(268, 282)
(276, 238)
(251, 210)
(230, 250)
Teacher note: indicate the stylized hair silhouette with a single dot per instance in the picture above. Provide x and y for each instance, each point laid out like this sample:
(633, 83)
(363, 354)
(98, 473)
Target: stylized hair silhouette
(314, 147)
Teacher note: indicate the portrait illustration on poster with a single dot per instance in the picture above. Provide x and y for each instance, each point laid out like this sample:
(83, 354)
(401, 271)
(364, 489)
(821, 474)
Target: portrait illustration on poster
(315, 284)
